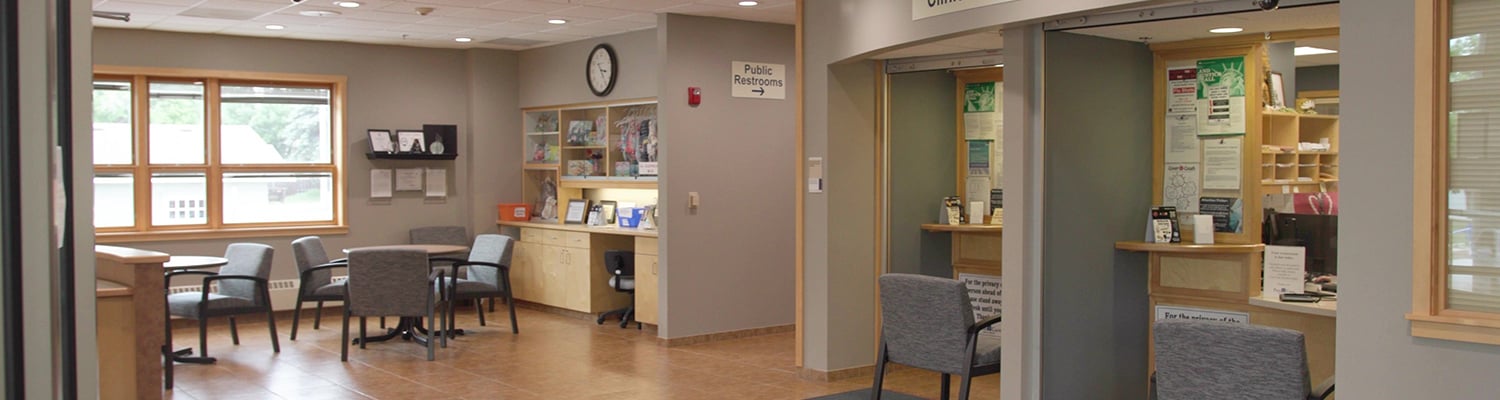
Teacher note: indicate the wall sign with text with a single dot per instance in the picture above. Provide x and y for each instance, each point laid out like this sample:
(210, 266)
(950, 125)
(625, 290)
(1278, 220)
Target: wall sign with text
(931, 8)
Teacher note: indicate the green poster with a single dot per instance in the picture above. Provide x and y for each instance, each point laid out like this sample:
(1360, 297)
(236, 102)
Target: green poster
(1221, 96)
(1226, 74)
(979, 97)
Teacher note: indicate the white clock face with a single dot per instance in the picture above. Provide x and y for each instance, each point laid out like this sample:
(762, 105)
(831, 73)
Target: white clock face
(601, 71)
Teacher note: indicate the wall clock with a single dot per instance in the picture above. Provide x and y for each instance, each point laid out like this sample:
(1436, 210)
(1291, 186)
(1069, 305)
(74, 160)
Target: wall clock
(602, 69)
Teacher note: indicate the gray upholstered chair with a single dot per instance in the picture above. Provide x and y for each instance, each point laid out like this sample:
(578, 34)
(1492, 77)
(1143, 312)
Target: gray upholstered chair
(450, 235)
(928, 323)
(489, 275)
(394, 283)
(1221, 360)
(316, 277)
(244, 288)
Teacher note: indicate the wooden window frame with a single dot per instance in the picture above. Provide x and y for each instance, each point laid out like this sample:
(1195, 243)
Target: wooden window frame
(141, 169)
(1430, 317)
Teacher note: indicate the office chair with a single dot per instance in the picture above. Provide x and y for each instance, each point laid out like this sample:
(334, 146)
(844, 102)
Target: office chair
(928, 323)
(621, 267)
(1221, 360)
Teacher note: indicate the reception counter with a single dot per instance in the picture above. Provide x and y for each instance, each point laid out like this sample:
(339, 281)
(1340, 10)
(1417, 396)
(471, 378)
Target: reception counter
(131, 316)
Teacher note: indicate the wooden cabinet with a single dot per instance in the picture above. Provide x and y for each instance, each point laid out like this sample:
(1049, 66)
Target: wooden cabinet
(1300, 153)
(566, 269)
(647, 279)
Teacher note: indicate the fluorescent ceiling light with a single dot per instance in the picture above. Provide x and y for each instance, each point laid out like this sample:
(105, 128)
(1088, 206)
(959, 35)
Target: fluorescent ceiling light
(347, 4)
(557, 21)
(749, 3)
(463, 40)
(1311, 51)
(318, 13)
(1227, 29)
(275, 27)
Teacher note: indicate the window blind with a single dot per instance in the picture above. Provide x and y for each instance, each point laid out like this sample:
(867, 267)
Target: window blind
(1473, 141)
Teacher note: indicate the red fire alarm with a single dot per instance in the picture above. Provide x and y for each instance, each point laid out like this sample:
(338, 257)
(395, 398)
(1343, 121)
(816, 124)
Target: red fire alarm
(695, 96)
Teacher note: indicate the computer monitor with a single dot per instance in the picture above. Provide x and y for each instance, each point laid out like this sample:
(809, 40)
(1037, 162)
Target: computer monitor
(1317, 233)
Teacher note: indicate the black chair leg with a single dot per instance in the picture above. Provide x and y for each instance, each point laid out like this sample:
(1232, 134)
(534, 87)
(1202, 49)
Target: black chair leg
(943, 393)
(318, 316)
(234, 332)
(271, 320)
(202, 335)
(296, 315)
(344, 339)
(362, 339)
(431, 341)
(479, 309)
(963, 388)
(510, 301)
(382, 322)
(877, 388)
(626, 317)
(492, 304)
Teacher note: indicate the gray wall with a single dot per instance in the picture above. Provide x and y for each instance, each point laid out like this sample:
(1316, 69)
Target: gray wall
(1098, 188)
(1377, 356)
(1322, 77)
(839, 270)
(730, 266)
(921, 159)
(389, 87)
(554, 74)
(1283, 59)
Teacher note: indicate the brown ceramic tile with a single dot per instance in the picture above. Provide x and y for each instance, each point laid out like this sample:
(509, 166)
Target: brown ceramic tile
(554, 357)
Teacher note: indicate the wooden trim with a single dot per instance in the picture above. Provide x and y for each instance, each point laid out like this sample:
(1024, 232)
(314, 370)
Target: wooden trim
(730, 335)
(580, 228)
(962, 78)
(183, 73)
(1189, 248)
(640, 101)
(965, 228)
(1426, 258)
(1245, 39)
(1318, 94)
(214, 177)
(800, 214)
(606, 184)
(1454, 331)
(126, 255)
(882, 136)
(224, 233)
(140, 116)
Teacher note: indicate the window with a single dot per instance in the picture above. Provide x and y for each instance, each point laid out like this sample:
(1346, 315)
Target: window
(198, 154)
(1456, 292)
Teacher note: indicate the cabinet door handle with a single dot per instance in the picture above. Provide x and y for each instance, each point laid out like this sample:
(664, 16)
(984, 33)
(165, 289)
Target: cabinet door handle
(653, 268)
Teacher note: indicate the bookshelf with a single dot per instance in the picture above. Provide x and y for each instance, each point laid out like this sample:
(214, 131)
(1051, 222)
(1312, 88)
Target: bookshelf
(571, 149)
(1300, 153)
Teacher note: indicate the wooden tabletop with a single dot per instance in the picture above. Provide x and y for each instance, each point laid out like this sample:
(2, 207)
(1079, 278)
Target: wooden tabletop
(1325, 308)
(194, 262)
(1189, 247)
(429, 248)
(965, 228)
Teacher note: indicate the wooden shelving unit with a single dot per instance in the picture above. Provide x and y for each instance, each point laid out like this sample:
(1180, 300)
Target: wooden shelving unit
(1284, 168)
(578, 147)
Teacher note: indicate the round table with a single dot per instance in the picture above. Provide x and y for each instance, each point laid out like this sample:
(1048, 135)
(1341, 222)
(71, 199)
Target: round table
(406, 327)
(193, 262)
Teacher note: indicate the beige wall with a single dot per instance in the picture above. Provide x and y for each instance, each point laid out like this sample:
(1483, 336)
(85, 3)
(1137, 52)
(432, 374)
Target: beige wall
(730, 264)
(390, 87)
(554, 74)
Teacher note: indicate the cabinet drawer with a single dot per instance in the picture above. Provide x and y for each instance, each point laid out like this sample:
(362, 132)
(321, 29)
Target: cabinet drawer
(576, 239)
(645, 245)
(532, 235)
(553, 237)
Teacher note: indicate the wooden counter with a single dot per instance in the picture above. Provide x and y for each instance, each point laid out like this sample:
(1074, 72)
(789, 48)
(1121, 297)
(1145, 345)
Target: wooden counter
(963, 228)
(131, 316)
(976, 247)
(1190, 248)
(606, 230)
(1326, 308)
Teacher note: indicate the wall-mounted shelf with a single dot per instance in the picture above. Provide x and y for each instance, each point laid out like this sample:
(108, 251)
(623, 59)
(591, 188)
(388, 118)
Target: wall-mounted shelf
(409, 156)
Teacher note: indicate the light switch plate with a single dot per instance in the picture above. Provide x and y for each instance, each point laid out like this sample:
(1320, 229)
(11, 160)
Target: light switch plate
(693, 199)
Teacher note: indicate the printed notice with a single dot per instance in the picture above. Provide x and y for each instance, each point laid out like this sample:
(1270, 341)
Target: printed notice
(1285, 269)
(437, 182)
(1182, 90)
(1228, 213)
(984, 295)
(1182, 139)
(979, 158)
(380, 183)
(1221, 96)
(1200, 314)
(1180, 187)
(1221, 163)
(408, 179)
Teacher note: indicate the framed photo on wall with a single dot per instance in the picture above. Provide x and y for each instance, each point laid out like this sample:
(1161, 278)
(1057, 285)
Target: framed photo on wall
(411, 141)
(1278, 91)
(380, 141)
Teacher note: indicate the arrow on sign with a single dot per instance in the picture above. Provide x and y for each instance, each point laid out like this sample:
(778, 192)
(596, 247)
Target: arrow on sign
(759, 91)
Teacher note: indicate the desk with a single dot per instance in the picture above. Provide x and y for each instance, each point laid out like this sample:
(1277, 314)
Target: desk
(410, 328)
(563, 266)
(1326, 308)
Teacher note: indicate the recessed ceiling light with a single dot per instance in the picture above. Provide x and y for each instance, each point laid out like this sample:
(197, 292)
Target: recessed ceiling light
(275, 27)
(318, 13)
(1311, 51)
(347, 4)
(557, 21)
(463, 40)
(749, 3)
(1229, 29)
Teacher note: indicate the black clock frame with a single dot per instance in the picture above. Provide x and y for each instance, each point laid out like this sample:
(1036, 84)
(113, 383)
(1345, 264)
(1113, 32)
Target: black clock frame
(614, 72)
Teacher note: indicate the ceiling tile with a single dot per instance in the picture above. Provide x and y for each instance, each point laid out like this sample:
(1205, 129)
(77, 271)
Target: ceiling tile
(646, 18)
(590, 12)
(529, 6)
(424, 28)
(385, 16)
(178, 3)
(262, 7)
(450, 3)
(168, 26)
(357, 24)
(541, 21)
(617, 25)
(291, 18)
(479, 13)
(551, 37)
(258, 32)
(637, 5)
(143, 8)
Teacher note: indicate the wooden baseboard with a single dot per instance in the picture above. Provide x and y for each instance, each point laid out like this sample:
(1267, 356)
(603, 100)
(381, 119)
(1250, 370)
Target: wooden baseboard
(730, 335)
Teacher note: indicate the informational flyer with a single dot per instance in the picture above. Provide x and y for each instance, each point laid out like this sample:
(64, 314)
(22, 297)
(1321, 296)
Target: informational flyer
(979, 158)
(1182, 91)
(983, 118)
(437, 182)
(380, 183)
(984, 296)
(1182, 139)
(1228, 213)
(1221, 163)
(408, 179)
(1285, 269)
(1180, 187)
(1221, 96)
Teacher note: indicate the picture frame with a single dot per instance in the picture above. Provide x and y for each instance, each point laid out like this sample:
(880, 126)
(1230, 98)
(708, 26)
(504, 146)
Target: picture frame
(380, 141)
(411, 141)
(607, 210)
(576, 212)
(1278, 91)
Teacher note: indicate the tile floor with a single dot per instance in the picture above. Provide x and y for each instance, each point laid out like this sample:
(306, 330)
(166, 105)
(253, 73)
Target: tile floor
(554, 357)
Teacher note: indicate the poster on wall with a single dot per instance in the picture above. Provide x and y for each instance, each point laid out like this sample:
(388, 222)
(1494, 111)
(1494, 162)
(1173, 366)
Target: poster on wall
(1180, 187)
(1182, 91)
(984, 296)
(1228, 213)
(982, 117)
(1221, 96)
(979, 158)
(1182, 139)
(1221, 163)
